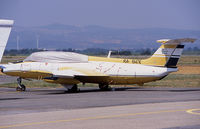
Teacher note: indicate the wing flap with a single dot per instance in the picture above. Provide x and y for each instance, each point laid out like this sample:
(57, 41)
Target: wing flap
(84, 76)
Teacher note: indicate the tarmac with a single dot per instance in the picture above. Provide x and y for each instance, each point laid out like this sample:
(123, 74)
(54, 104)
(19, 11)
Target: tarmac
(120, 108)
(7, 79)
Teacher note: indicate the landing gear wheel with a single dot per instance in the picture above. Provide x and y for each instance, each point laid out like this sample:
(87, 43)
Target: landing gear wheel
(20, 87)
(104, 87)
(23, 87)
(74, 89)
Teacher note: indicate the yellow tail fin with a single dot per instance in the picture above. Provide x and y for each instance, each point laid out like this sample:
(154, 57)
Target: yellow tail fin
(168, 54)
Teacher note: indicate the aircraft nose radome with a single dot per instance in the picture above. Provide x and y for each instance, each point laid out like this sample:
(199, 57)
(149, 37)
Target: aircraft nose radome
(2, 67)
(5, 68)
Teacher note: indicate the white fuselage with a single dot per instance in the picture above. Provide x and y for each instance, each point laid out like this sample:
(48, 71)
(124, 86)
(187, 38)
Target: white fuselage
(92, 68)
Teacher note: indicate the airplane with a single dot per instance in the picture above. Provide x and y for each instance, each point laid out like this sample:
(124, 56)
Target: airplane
(70, 69)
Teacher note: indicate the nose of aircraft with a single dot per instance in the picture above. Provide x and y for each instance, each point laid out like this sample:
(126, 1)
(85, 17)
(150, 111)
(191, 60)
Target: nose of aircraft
(9, 68)
(1, 68)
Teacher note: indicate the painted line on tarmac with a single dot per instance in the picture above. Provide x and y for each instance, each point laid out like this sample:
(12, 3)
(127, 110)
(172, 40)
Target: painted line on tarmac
(193, 111)
(91, 118)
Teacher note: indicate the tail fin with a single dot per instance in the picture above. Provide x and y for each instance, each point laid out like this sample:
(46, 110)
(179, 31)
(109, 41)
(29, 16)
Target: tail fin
(5, 28)
(168, 54)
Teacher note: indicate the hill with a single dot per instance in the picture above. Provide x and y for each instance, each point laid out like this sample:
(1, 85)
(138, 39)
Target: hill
(57, 36)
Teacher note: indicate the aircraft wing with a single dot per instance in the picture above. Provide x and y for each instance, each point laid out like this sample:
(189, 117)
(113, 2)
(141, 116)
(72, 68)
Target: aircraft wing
(72, 72)
(66, 73)
(82, 75)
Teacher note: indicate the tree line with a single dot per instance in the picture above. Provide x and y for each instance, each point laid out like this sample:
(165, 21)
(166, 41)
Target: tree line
(99, 51)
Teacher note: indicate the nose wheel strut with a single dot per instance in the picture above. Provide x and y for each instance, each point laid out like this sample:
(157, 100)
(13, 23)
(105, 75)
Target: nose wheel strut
(20, 87)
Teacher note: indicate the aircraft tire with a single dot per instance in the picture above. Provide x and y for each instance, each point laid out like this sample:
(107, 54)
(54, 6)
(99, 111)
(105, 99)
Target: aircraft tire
(18, 89)
(103, 87)
(74, 89)
(22, 88)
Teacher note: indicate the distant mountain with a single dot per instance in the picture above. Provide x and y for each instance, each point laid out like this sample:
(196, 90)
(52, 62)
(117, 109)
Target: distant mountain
(59, 36)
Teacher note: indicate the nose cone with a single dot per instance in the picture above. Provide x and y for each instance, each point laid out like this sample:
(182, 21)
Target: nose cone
(1, 68)
(10, 69)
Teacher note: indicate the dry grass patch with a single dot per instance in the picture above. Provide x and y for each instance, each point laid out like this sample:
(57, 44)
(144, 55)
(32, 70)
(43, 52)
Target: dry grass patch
(185, 69)
(177, 80)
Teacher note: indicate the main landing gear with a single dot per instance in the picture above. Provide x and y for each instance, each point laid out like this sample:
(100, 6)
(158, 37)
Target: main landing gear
(104, 87)
(74, 89)
(20, 87)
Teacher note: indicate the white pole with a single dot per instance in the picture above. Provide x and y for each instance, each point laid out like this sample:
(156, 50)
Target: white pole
(17, 42)
(109, 53)
(37, 43)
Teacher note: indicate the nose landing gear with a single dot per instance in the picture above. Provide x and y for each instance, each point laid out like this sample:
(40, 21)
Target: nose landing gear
(20, 87)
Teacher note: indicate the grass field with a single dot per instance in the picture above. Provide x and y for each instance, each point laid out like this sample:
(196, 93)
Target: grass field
(187, 76)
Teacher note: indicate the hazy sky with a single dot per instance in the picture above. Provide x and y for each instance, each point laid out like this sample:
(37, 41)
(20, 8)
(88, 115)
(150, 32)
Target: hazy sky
(180, 14)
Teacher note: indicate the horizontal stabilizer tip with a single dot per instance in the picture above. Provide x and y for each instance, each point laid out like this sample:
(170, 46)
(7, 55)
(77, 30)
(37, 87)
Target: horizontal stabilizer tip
(176, 41)
(6, 23)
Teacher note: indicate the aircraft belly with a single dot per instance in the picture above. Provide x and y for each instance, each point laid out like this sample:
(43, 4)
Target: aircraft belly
(93, 79)
(63, 81)
(131, 79)
(116, 80)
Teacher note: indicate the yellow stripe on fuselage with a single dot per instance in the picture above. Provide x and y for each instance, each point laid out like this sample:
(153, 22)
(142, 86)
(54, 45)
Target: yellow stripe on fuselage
(104, 59)
(155, 60)
(116, 60)
(158, 61)
(35, 74)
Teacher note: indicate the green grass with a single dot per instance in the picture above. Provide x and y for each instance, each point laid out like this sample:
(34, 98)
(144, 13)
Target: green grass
(189, 60)
(177, 80)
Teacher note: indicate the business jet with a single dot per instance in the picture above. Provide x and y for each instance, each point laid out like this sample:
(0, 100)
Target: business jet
(70, 69)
